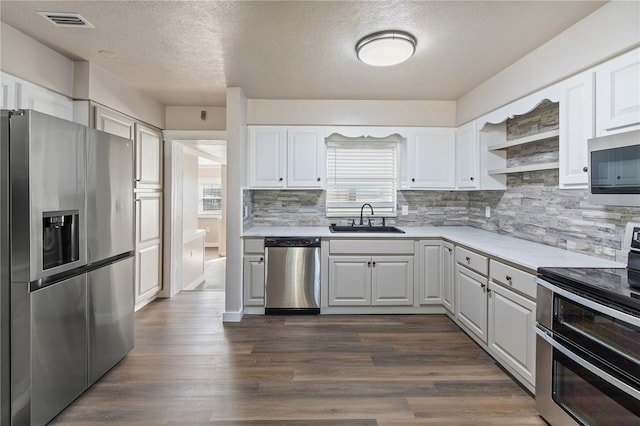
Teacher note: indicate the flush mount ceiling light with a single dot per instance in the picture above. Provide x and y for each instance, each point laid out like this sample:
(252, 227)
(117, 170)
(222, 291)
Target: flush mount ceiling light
(386, 48)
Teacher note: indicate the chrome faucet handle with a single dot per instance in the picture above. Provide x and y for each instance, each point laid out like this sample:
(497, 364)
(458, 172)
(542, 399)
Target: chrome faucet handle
(370, 222)
(353, 222)
(383, 222)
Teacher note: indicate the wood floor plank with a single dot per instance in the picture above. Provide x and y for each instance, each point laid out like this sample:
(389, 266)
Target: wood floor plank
(188, 368)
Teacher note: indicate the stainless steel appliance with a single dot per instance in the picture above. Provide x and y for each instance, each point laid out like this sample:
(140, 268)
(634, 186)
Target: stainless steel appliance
(292, 275)
(588, 342)
(66, 218)
(614, 169)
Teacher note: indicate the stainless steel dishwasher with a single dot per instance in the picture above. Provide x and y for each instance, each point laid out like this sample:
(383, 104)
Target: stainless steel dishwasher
(292, 275)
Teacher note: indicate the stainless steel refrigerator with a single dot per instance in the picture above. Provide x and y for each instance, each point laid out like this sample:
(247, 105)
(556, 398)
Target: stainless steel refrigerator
(66, 261)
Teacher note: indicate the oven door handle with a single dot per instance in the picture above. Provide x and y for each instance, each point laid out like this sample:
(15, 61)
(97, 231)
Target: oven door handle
(598, 307)
(584, 364)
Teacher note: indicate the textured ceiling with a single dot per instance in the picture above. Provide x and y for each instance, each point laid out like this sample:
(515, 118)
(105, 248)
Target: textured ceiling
(188, 52)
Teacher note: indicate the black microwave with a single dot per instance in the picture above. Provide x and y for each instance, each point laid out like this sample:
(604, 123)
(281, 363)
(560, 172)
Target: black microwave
(614, 169)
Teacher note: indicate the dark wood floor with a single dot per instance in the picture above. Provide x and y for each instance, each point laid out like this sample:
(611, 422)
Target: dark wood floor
(190, 369)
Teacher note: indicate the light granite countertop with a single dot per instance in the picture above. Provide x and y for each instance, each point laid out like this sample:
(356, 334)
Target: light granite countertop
(527, 254)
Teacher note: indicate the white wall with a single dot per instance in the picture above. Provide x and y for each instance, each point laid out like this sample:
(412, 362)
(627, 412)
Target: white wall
(30, 60)
(189, 192)
(92, 82)
(607, 32)
(236, 172)
(351, 112)
(188, 118)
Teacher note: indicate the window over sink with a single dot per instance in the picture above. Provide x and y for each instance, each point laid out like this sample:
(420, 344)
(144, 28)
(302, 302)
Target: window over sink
(361, 170)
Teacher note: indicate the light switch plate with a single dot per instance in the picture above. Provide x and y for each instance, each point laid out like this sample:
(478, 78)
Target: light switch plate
(405, 210)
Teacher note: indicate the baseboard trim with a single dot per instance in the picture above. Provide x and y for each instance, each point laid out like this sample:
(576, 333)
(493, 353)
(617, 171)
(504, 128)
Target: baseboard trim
(232, 316)
(194, 283)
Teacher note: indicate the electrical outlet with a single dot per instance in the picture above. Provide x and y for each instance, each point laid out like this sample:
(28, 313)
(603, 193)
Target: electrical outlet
(405, 210)
(487, 212)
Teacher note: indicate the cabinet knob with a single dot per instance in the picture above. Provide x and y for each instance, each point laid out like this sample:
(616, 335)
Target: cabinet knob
(449, 249)
(280, 179)
(413, 179)
(369, 264)
(618, 178)
(472, 178)
(508, 279)
(585, 169)
(318, 179)
(488, 291)
(483, 285)
(374, 264)
(468, 259)
(262, 259)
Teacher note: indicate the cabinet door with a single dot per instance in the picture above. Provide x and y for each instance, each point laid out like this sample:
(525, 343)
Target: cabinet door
(392, 280)
(8, 92)
(467, 162)
(448, 272)
(349, 281)
(267, 157)
(618, 94)
(148, 245)
(253, 268)
(512, 337)
(576, 127)
(471, 301)
(43, 100)
(305, 157)
(430, 287)
(148, 157)
(115, 123)
(431, 158)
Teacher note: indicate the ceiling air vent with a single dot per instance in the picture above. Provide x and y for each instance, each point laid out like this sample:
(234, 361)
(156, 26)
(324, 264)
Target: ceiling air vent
(60, 19)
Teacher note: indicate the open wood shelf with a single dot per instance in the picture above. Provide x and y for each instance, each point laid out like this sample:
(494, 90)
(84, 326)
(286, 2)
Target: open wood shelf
(527, 168)
(527, 139)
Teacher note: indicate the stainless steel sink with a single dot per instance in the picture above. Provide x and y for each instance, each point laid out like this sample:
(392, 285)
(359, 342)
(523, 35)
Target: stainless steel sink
(365, 228)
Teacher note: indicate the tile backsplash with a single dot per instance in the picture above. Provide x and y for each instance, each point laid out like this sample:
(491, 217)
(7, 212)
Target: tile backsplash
(532, 207)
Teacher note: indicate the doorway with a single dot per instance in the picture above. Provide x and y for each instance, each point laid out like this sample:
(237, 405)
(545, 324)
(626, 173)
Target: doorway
(194, 210)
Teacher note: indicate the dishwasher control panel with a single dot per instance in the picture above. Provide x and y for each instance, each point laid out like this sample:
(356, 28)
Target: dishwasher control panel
(292, 242)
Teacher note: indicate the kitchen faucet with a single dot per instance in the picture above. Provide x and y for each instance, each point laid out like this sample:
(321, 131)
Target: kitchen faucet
(362, 208)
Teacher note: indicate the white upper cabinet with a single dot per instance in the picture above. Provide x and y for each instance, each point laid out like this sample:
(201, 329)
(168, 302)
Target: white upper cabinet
(305, 157)
(286, 157)
(8, 92)
(267, 157)
(618, 94)
(16, 93)
(576, 128)
(467, 163)
(112, 122)
(148, 157)
(431, 158)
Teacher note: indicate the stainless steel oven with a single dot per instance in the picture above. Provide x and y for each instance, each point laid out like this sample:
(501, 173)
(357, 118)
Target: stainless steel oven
(588, 360)
(588, 342)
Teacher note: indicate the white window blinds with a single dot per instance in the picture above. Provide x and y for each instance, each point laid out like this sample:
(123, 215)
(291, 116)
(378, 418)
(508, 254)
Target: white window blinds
(361, 170)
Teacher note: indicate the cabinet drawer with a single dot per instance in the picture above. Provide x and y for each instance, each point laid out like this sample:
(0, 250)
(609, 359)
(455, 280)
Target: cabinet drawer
(254, 245)
(472, 260)
(514, 278)
(371, 247)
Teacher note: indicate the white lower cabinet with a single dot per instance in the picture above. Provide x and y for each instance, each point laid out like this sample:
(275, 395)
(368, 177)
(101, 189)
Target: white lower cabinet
(448, 277)
(253, 269)
(370, 280)
(471, 301)
(148, 246)
(512, 337)
(431, 283)
(253, 272)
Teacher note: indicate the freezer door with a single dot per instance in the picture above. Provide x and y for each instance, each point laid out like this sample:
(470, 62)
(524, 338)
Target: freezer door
(110, 211)
(58, 347)
(110, 316)
(47, 167)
